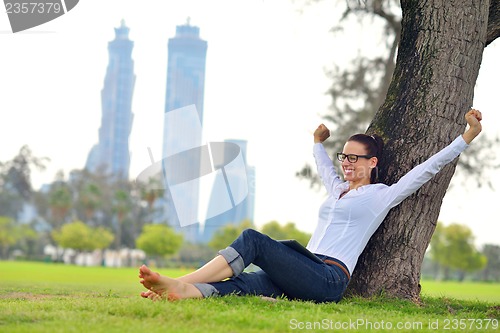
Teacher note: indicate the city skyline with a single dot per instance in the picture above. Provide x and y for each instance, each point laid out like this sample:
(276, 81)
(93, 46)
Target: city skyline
(51, 78)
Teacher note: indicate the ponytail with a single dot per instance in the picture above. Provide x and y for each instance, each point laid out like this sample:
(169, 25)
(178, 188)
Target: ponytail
(380, 146)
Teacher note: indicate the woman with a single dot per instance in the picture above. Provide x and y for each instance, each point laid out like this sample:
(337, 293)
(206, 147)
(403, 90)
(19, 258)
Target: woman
(352, 212)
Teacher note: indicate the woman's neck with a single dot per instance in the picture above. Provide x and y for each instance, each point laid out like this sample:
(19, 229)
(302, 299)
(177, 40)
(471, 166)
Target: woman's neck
(356, 185)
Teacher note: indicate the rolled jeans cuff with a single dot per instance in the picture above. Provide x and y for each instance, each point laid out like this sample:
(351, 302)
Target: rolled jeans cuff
(207, 290)
(234, 260)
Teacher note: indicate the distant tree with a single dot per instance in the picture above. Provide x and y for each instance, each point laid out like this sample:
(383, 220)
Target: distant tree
(159, 240)
(224, 236)
(469, 258)
(492, 269)
(122, 205)
(10, 203)
(274, 230)
(11, 233)
(17, 173)
(93, 194)
(145, 196)
(288, 231)
(80, 237)
(151, 191)
(103, 200)
(15, 181)
(98, 199)
(60, 201)
(101, 238)
(194, 254)
(76, 235)
(453, 248)
(227, 234)
(7, 234)
(90, 197)
(437, 252)
(30, 242)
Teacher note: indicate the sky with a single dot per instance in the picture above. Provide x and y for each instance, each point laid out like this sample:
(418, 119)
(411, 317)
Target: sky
(265, 83)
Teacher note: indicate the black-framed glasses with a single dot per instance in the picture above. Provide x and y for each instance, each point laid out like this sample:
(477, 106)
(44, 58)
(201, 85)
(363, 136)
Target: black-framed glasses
(352, 158)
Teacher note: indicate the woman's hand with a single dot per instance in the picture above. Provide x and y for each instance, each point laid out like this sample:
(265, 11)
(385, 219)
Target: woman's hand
(473, 118)
(321, 134)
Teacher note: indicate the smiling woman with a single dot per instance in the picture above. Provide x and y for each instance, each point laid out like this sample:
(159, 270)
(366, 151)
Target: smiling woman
(354, 209)
(369, 148)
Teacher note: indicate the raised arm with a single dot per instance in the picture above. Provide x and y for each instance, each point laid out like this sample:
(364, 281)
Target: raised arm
(324, 164)
(422, 173)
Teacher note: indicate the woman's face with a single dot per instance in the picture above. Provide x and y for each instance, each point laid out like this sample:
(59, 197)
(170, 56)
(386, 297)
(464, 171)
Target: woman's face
(360, 170)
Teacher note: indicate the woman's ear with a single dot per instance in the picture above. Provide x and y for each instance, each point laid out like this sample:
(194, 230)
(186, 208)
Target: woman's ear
(373, 162)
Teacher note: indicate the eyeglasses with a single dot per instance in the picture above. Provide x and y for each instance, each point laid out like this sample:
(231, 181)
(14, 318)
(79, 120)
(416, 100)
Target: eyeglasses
(352, 158)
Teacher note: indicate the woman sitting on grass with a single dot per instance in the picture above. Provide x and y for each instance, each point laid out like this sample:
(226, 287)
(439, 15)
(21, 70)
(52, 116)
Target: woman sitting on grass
(352, 212)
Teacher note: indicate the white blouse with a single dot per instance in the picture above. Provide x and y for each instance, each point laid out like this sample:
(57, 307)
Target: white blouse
(346, 224)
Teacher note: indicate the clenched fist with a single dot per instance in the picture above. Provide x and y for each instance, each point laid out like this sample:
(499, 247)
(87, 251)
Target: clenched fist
(473, 118)
(321, 133)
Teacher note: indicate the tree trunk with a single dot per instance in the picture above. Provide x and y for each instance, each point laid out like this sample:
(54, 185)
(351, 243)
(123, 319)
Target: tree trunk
(438, 61)
(493, 21)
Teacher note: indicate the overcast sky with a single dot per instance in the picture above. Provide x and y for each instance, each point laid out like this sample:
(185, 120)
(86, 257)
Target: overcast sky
(265, 83)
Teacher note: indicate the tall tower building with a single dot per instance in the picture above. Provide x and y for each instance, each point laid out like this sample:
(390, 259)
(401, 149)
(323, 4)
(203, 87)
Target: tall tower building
(186, 69)
(244, 211)
(185, 86)
(111, 153)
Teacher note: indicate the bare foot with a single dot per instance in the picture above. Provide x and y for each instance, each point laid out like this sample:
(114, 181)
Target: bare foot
(151, 295)
(165, 287)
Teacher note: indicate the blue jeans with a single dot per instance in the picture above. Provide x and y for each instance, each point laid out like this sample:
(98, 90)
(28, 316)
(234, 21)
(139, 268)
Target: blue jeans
(285, 272)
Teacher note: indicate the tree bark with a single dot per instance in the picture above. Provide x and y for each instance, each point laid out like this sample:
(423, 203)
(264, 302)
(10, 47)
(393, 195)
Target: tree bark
(438, 62)
(493, 31)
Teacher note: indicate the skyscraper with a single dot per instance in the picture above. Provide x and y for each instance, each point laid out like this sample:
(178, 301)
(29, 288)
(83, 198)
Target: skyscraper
(186, 70)
(111, 153)
(185, 86)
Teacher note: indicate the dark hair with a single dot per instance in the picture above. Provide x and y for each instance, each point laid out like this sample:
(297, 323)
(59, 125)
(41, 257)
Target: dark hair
(374, 145)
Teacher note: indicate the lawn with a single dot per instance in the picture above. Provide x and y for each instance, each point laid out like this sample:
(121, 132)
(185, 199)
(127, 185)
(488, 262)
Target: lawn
(42, 297)
(482, 291)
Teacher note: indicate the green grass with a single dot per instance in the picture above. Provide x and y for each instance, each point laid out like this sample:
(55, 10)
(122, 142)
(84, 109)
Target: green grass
(38, 297)
(482, 291)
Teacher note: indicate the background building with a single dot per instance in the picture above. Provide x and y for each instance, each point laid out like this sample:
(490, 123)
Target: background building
(186, 69)
(111, 153)
(185, 86)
